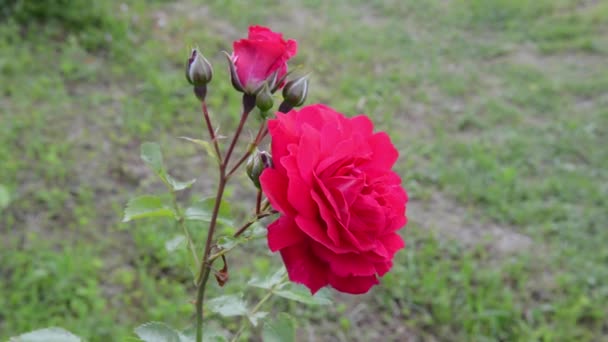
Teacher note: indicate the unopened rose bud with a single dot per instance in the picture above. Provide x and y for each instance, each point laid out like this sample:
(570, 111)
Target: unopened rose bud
(198, 71)
(256, 164)
(294, 94)
(263, 99)
(295, 91)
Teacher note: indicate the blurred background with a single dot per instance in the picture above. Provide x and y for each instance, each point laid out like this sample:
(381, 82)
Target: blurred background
(498, 108)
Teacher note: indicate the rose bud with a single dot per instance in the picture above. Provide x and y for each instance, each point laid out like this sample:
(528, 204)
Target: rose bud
(256, 164)
(198, 70)
(263, 99)
(294, 94)
(261, 57)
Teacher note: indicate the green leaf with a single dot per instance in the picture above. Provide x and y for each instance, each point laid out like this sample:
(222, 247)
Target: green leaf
(160, 332)
(5, 197)
(256, 317)
(227, 306)
(210, 334)
(147, 206)
(301, 294)
(47, 335)
(152, 155)
(229, 242)
(173, 244)
(179, 185)
(202, 210)
(280, 329)
(197, 214)
(269, 282)
(205, 145)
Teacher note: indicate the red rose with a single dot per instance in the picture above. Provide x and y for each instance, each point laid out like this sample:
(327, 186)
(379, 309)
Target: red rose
(339, 200)
(260, 55)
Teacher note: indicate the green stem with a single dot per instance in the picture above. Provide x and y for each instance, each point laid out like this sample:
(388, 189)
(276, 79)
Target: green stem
(206, 263)
(258, 202)
(240, 231)
(211, 131)
(233, 142)
(251, 149)
(248, 224)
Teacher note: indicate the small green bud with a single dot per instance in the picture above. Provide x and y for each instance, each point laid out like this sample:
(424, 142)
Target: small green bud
(198, 70)
(256, 164)
(263, 99)
(295, 91)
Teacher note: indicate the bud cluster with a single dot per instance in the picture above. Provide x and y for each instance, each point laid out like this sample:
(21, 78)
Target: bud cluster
(199, 73)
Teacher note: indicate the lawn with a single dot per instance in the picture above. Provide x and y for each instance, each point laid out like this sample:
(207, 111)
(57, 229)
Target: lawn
(498, 108)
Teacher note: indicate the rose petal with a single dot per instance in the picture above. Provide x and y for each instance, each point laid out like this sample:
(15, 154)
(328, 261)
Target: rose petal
(263, 33)
(350, 186)
(298, 190)
(256, 61)
(274, 185)
(283, 233)
(318, 116)
(304, 267)
(329, 218)
(362, 125)
(308, 152)
(383, 157)
(345, 264)
(393, 243)
(383, 267)
(352, 284)
(367, 215)
(316, 231)
(284, 134)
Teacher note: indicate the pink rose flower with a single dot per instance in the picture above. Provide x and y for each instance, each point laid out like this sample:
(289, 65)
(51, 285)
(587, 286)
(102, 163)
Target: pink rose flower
(339, 200)
(259, 56)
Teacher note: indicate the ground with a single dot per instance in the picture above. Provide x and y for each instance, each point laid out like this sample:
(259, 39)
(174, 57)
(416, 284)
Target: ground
(499, 111)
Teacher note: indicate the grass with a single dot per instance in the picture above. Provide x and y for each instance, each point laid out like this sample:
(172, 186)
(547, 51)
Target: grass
(499, 110)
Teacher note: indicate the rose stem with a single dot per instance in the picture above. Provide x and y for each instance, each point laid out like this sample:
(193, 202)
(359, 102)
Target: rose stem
(256, 142)
(258, 202)
(248, 224)
(205, 266)
(211, 131)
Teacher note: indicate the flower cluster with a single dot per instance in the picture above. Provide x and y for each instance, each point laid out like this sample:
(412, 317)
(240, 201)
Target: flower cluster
(329, 177)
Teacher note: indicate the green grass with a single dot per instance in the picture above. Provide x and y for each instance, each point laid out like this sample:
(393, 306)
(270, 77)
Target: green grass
(499, 108)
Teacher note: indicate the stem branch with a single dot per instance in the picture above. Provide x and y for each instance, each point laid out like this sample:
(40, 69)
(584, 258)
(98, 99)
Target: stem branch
(211, 131)
(248, 224)
(258, 139)
(206, 263)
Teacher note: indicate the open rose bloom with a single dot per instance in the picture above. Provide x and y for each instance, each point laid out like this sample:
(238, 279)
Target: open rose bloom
(340, 202)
